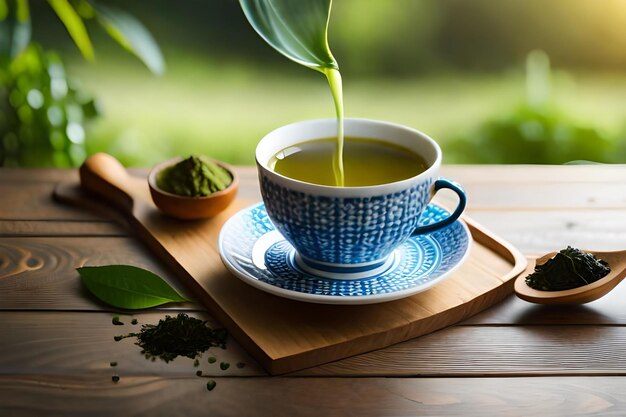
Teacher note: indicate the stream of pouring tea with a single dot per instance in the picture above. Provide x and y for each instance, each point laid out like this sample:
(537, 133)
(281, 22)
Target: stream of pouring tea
(298, 29)
(334, 80)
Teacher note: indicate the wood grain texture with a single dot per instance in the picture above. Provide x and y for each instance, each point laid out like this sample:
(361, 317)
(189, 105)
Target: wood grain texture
(33, 201)
(71, 343)
(27, 196)
(513, 311)
(36, 175)
(539, 174)
(96, 395)
(539, 196)
(509, 191)
(536, 233)
(57, 363)
(40, 273)
(462, 351)
(510, 174)
(284, 335)
(489, 187)
(39, 228)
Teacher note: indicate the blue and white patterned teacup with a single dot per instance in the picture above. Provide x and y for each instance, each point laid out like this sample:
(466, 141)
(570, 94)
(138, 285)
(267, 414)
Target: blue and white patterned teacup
(350, 231)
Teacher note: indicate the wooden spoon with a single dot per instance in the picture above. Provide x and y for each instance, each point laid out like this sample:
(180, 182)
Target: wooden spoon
(580, 295)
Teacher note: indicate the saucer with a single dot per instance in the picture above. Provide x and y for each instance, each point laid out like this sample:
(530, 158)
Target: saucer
(257, 253)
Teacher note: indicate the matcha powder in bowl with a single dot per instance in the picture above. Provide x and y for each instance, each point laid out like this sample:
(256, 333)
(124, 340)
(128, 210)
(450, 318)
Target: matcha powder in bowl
(193, 188)
(196, 176)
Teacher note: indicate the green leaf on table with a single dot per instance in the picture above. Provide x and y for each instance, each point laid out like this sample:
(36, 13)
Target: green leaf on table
(128, 287)
(74, 25)
(131, 35)
(15, 28)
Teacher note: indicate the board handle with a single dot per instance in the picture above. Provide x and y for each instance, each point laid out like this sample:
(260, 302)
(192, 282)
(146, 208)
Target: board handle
(105, 176)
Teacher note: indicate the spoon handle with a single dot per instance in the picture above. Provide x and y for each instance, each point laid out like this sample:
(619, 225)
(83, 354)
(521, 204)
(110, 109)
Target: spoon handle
(103, 175)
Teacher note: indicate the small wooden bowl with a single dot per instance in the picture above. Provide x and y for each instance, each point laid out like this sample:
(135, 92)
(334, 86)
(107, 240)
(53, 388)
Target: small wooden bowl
(190, 208)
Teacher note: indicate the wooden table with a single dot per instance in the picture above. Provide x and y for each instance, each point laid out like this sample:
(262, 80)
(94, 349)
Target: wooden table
(56, 343)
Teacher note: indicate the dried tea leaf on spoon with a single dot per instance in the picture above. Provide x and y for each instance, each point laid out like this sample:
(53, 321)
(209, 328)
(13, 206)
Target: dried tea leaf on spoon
(570, 268)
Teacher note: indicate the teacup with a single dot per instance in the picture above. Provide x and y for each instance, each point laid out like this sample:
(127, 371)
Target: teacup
(350, 232)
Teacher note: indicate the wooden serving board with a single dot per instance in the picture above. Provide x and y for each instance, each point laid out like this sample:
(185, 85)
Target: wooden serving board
(286, 335)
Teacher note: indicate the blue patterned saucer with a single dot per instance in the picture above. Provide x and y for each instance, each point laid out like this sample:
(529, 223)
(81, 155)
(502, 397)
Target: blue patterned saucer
(257, 253)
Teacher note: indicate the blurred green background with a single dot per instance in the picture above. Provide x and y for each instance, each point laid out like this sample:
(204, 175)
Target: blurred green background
(462, 71)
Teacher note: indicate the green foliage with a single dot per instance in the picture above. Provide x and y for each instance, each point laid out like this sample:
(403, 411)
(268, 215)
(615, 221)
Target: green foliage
(42, 112)
(126, 286)
(14, 29)
(130, 34)
(402, 37)
(295, 28)
(536, 131)
(528, 135)
(74, 25)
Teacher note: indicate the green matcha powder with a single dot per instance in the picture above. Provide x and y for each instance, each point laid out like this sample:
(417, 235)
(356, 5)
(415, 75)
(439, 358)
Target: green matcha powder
(196, 176)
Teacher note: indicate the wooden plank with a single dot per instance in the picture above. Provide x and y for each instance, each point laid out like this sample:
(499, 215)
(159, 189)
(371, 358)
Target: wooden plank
(39, 228)
(488, 188)
(74, 343)
(36, 175)
(95, 395)
(39, 273)
(55, 175)
(33, 201)
(536, 233)
(461, 351)
(540, 196)
(546, 196)
(519, 174)
(48, 175)
(511, 174)
(513, 311)
(27, 195)
(51, 282)
(30, 194)
(533, 232)
(61, 343)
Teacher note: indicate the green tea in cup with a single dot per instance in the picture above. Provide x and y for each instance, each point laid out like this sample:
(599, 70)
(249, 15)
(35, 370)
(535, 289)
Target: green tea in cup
(365, 162)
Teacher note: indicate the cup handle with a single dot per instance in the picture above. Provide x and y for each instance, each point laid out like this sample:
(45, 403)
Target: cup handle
(439, 184)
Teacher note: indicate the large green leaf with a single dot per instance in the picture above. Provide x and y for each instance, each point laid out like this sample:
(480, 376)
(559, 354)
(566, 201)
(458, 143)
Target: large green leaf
(74, 25)
(15, 28)
(132, 35)
(295, 28)
(128, 287)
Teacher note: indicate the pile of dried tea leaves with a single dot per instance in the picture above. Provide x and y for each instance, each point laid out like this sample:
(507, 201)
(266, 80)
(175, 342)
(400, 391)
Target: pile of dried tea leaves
(177, 336)
(570, 268)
